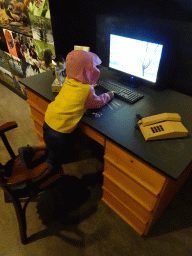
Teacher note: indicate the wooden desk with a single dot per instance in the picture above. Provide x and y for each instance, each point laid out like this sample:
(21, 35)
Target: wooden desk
(132, 188)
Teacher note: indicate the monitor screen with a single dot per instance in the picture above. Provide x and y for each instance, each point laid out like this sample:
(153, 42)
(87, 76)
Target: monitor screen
(135, 57)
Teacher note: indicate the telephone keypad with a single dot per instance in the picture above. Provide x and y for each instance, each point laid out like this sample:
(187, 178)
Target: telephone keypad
(158, 128)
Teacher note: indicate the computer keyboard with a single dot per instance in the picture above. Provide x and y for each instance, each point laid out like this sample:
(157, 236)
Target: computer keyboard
(121, 92)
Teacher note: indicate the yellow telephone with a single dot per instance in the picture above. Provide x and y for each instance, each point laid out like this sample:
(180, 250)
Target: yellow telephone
(162, 126)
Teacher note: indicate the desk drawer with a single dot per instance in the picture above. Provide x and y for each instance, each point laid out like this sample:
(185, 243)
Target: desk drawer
(35, 114)
(36, 99)
(38, 128)
(123, 212)
(132, 188)
(121, 194)
(135, 168)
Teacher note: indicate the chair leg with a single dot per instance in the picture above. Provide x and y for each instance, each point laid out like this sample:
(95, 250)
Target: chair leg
(21, 220)
(21, 217)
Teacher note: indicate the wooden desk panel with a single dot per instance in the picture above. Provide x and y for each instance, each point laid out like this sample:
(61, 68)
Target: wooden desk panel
(123, 211)
(37, 100)
(133, 189)
(146, 186)
(136, 169)
(138, 208)
(35, 113)
(38, 106)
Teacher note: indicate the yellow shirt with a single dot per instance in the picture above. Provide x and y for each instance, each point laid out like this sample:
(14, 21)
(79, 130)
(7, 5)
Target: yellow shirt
(65, 112)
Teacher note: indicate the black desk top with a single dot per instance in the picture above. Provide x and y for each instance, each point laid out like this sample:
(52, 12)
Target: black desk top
(117, 120)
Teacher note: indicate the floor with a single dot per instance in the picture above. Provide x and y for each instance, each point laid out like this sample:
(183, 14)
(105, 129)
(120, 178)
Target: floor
(71, 219)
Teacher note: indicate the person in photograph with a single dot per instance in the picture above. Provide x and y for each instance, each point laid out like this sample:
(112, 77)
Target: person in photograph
(4, 18)
(33, 54)
(30, 70)
(31, 44)
(34, 60)
(20, 10)
(46, 64)
(39, 8)
(23, 47)
(41, 29)
(27, 55)
(10, 43)
(18, 47)
(11, 14)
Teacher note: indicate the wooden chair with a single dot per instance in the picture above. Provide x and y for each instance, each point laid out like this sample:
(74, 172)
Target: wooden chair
(21, 184)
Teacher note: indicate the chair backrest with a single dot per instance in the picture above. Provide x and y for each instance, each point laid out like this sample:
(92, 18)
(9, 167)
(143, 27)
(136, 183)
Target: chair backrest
(4, 128)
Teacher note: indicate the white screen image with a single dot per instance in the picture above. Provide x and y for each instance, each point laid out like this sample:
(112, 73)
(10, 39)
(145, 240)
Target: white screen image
(135, 57)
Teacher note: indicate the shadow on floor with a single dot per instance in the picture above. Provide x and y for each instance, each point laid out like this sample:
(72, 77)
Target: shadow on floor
(64, 207)
(177, 215)
(74, 200)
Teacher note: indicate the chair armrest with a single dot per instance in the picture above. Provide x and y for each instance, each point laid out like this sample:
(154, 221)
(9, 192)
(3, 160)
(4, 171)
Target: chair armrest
(7, 126)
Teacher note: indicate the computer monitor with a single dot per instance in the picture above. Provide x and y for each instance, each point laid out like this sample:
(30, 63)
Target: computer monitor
(136, 58)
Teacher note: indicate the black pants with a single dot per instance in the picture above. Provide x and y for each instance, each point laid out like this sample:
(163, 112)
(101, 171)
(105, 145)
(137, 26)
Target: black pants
(60, 145)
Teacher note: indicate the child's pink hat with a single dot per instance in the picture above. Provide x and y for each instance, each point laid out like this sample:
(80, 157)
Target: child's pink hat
(81, 66)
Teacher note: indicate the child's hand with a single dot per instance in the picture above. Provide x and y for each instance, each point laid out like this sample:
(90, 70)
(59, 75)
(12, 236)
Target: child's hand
(111, 94)
(94, 85)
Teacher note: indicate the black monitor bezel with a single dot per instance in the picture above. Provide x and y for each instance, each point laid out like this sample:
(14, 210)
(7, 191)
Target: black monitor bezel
(130, 77)
(111, 24)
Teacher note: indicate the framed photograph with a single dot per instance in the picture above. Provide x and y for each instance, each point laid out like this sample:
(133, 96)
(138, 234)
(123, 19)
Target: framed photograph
(5, 72)
(14, 16)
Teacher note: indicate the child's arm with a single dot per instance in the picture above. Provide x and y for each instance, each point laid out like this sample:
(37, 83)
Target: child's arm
(94, 101)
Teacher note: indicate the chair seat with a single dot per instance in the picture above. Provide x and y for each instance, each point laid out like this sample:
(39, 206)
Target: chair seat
(20, 173)
(26, 182)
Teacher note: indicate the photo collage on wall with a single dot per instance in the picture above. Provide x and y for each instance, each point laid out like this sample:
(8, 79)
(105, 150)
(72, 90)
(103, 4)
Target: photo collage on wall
(5, 72)
(26, 40)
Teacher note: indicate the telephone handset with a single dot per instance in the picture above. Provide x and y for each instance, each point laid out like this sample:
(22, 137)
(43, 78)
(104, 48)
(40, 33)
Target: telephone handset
(162, 126)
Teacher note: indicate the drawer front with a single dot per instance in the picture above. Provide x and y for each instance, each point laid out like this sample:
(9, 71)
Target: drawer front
(35, 114)
(135, 167)
(132, 188)
(38, 128)
(37, 100)
(123, 212)
(137, 209)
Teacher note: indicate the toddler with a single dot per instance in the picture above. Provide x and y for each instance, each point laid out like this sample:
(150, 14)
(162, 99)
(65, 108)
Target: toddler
(64, 113)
